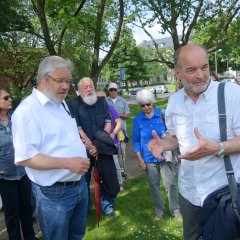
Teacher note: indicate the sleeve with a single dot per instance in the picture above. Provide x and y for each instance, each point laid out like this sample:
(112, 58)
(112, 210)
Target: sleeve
(26, 136)
(169, 118)
(106, 110)
(73, 108)
(126, 108)
(114, 113)
(136, 136)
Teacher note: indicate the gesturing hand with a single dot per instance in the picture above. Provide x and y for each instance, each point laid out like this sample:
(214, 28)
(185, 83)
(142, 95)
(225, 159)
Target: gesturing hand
(155, 146)
(203, 149)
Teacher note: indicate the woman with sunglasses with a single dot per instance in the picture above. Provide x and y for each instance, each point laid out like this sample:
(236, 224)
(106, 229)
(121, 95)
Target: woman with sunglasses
(15, 187)
(147, 120)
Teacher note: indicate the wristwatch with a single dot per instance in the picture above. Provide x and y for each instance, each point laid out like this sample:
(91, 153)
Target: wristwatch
(221, 151)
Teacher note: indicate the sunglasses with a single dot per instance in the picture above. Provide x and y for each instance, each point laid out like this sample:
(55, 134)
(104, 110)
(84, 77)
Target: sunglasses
(6, 98)
(146, 104)
(113, 89)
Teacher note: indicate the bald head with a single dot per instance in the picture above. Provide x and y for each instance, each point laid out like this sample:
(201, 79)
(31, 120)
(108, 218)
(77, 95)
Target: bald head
(188, 50)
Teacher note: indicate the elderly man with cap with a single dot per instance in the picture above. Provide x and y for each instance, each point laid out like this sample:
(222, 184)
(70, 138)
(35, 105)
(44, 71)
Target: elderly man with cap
(120, 104)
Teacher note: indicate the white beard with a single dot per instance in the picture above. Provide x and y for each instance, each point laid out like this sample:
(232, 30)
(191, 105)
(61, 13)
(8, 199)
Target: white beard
(90, 100)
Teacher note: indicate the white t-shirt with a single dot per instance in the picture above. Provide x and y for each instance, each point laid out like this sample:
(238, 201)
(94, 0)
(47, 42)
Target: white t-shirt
(197, 179)
(42, 126)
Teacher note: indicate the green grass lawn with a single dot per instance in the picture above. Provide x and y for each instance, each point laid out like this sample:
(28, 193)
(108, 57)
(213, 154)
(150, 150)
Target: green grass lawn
(134, 217)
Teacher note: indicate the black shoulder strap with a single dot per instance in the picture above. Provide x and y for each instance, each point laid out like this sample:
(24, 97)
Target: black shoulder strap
(163, 118)
(66, 108)
(228, 165)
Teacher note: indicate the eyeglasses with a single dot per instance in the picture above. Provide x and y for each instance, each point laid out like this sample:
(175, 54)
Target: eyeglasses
(6, 98)
(146, 104)
(60, 81)
(113, 89)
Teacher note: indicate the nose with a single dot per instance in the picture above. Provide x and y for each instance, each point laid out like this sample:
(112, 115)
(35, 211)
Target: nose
(65, 85)
(200, 73)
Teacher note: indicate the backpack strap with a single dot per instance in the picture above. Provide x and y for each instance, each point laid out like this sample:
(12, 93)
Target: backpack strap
(163, 118)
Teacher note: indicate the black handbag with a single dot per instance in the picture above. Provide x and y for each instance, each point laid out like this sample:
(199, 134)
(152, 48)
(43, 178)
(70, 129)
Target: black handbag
(220, 214)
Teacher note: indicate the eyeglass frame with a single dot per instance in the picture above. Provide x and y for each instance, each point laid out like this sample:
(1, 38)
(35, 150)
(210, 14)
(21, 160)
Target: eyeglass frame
(6, 98)
(61, 81)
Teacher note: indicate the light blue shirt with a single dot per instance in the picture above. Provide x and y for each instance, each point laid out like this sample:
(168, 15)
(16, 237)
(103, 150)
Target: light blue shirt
(121, 106)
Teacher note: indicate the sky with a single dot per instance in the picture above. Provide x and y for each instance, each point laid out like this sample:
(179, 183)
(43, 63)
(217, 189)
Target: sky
(139, 35)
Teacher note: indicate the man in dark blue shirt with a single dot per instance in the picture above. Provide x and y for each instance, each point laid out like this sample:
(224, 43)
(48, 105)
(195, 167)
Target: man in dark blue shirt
(91, 114)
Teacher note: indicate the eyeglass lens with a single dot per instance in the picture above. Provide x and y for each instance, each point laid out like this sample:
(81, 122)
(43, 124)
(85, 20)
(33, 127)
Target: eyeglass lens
(112, 89)
(147, 104)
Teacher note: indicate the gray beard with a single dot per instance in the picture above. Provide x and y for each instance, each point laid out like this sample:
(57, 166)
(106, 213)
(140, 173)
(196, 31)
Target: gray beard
(90, 100)
(49, 95)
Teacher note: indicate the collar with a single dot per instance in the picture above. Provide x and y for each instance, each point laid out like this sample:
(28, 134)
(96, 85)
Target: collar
(42, 98)
(156, 113)
(113, 99)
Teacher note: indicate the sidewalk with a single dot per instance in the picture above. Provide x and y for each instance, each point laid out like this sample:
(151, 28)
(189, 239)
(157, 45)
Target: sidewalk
(132, 170)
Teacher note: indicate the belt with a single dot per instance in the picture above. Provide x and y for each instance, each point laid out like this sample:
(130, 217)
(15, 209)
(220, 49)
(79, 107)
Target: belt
(64, 184)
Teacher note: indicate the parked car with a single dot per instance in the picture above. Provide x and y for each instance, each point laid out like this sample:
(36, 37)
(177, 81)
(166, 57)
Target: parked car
(160, 89)
(229, 80)
(133, 91)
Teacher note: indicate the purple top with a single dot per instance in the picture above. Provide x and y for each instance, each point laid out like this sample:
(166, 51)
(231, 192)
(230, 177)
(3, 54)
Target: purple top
(114, 114)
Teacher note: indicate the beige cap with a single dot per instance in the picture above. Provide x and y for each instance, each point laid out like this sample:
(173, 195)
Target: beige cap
(112, 85)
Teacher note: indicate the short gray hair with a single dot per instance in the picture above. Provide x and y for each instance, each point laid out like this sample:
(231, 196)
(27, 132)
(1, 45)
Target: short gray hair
(51, 63)
(145, 96)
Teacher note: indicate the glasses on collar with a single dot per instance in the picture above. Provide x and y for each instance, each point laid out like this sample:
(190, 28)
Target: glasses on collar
(113, 89)
(60, 81)
(146, 104)
(6, 98)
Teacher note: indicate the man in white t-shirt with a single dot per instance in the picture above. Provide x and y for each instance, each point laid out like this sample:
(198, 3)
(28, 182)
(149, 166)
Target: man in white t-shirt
(192, 121)
(47, 143)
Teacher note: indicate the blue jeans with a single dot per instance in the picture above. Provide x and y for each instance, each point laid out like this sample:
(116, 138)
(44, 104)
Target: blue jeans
(154, 173)
(16, 197)
(62, 210)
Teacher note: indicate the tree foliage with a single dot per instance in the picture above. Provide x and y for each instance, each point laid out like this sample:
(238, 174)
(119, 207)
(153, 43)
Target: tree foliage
(180, 18)
(74, 29)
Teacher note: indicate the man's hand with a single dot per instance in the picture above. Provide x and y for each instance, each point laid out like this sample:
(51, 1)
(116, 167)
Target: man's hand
(78, 165)
(93, 151)
(87, 142)
(155, 146)
(203, 149)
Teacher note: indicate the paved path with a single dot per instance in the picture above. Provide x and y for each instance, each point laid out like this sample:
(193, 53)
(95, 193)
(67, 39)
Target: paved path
(132, 170)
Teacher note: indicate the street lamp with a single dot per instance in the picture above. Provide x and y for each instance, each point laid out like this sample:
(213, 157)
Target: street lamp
(226, 58)
(215, 53)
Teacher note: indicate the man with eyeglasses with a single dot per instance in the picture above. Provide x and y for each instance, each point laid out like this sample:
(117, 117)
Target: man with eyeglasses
(47, 143)
(121, 105)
